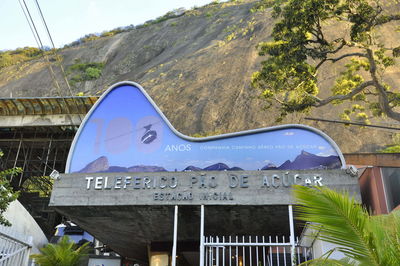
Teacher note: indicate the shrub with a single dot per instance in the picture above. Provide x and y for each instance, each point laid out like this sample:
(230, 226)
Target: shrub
(19, 55)
(64, 253)
(80, 72)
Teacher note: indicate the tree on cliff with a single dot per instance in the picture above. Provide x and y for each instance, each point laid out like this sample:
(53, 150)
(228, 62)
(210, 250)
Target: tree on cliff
(302, 45)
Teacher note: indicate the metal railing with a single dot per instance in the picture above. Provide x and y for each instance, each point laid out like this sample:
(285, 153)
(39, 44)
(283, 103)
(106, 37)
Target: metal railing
(14, 248)
(253, 250)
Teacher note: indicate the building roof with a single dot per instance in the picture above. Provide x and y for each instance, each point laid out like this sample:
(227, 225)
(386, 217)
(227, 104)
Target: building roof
(46, 105)
(373, 159)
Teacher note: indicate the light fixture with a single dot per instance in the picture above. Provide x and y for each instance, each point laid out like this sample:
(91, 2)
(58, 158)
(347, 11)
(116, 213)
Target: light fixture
(55, 175)
(352, 170)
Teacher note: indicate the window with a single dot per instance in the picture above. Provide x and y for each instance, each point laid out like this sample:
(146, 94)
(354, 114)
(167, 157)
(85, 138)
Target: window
(391, 181)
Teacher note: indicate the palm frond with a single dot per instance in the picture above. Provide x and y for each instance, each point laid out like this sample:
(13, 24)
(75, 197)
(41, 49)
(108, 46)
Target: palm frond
(344, 222)
(386, 231)
(328, 262)
(324, 260)
(64, 253)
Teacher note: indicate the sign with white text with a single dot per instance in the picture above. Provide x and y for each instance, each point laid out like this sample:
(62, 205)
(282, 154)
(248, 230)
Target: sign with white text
(193, 188)
(126, 132)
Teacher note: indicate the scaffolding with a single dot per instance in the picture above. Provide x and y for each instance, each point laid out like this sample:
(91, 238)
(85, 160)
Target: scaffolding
(38, 149)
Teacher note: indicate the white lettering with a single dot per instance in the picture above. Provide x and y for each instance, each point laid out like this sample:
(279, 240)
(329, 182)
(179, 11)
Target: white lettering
(89, 179)
(274, 179)
(317, 181)
(118, 182)
(178, 147)
(106, 183)
(127, 181)
(265, 182)
(295, 178)
(233, 181)
(285, 180)
(137, 182)
(98, 183)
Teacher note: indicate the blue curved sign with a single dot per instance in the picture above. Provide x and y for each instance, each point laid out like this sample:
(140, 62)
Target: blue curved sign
(126, 132)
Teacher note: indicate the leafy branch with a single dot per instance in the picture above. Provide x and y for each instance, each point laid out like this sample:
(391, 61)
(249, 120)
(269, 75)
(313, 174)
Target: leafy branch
(303, 43)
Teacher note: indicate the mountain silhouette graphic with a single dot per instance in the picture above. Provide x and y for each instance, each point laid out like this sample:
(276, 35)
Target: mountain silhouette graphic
(306, 160)
(303, 161)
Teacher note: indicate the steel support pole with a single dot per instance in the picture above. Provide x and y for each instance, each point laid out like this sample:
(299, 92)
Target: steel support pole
(175, 236)
(201, 235)
(292, 243)
(16, 156)
(47, 156)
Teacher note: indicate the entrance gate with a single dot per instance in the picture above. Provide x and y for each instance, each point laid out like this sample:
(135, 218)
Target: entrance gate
(247, 250)
(252, 250)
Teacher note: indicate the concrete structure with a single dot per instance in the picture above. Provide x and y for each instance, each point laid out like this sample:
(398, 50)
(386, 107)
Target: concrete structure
(130, 220)
(141, 223)
(183, 188)
(122, 185)
(23, 223)
(379, 181)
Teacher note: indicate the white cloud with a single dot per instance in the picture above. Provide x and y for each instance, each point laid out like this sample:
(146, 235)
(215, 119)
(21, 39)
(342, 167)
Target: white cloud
(327, 153)
(289, 133)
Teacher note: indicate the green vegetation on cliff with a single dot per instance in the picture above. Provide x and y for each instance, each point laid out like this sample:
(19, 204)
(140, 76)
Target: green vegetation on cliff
(80, 72)
(9, 58)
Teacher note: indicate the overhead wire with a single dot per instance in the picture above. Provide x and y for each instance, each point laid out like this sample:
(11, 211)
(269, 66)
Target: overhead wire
(58, 58)
(39, 42)
(44, 22)
(53, 46)
(30, 26)
(351, 123)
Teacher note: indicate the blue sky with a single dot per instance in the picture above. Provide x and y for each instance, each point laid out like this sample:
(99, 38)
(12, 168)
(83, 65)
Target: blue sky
(69, 20)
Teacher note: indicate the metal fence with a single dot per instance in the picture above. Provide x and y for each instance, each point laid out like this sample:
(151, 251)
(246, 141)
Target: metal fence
(14, 248)
(253, 250)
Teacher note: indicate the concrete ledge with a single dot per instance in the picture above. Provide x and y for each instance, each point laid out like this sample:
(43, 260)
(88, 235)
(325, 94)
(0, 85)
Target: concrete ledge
(193, 188)
(128, 214)
(41, 120)
(373, 159)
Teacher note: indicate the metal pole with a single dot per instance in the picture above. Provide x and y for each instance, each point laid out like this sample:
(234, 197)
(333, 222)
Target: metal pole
(16, 156)
(292, 243)
(47, 156)
(201, 235)
(175, 236)
(26, 162)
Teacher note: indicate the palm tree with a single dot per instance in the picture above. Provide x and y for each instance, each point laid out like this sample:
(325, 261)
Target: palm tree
(341, 220)
(64, 253)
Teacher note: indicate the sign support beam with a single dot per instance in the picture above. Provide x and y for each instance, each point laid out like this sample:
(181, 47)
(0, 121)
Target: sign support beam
(201, 235)
(175, 235)
(292, 243)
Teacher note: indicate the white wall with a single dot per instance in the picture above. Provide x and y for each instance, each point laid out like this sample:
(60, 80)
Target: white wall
(320, 248)
(23, 223)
